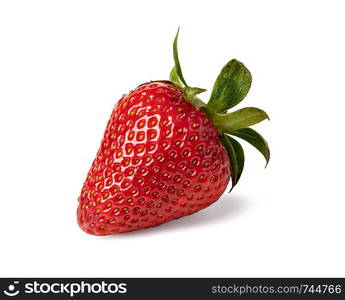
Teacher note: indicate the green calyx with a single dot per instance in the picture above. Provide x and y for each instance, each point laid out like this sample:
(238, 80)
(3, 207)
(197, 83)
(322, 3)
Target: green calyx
(231, 86)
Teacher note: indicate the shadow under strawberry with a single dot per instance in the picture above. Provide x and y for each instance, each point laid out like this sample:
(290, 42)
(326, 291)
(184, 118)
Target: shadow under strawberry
(226, 207)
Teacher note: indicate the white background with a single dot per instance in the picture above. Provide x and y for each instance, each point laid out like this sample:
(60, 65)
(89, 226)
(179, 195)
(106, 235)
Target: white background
(64, 64)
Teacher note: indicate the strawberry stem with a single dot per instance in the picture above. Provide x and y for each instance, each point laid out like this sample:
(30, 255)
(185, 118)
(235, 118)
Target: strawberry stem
(177, 78)
(177, 61)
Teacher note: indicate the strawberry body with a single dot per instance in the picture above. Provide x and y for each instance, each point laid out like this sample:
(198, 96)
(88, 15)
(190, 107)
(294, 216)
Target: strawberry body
(160, 159)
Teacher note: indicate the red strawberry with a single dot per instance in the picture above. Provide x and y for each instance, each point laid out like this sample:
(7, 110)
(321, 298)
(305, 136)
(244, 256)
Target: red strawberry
(165, 154)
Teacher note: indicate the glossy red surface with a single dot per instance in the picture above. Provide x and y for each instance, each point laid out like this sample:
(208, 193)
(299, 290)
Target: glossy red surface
(160, 159)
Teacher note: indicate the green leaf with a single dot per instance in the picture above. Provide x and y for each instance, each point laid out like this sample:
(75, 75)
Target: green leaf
(255, 139)
(197, 102)
(193, 91)
(239, 157)
(236, 157)
(177, 61)
(231, 86)
(174, 76)
(238, 119)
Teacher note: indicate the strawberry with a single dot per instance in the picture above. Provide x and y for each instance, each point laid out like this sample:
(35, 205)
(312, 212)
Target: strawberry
(166, 154)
